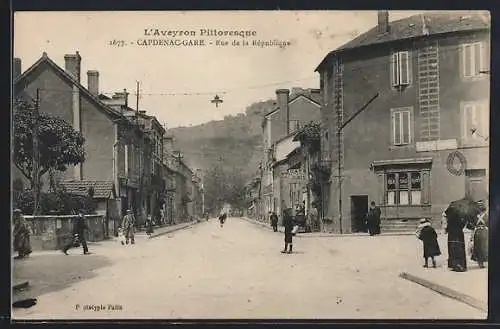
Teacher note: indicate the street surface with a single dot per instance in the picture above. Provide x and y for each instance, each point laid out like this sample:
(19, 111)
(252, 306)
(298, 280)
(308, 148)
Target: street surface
(208, 272)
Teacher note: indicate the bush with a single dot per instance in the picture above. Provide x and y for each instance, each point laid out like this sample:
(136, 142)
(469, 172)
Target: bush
(55, 203)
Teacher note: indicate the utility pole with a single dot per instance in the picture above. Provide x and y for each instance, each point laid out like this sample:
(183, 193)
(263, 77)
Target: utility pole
(137, 96)
(36, 156)
(338, 107)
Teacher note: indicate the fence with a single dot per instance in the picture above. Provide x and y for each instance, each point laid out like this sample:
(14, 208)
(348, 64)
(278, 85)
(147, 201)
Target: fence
(53, 232)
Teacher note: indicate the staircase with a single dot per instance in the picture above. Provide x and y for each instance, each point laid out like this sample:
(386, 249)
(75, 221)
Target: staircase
(428, 91)
(399, 225)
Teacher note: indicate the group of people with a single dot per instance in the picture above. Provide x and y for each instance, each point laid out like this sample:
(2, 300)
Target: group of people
(455, 224)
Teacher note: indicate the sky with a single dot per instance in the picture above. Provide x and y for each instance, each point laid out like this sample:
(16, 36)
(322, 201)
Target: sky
(177, 83)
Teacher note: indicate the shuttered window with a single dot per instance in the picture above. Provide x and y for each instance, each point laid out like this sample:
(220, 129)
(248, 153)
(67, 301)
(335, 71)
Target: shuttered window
(475, 120)
(401, 126)
(400, 68)
(475, 59)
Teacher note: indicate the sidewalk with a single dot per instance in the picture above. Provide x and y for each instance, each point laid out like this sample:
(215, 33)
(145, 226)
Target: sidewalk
(159, 231)
(323, 234)
(469, 287)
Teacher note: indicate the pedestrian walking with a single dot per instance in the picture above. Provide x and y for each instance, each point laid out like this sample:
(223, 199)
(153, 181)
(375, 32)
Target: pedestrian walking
(274, 221)
(426, 233)
(222, 219)
(21, 235)
(149, 226)
(128, 225)
(78, 238)
(288, 224)
(373, 219)
(479, 241)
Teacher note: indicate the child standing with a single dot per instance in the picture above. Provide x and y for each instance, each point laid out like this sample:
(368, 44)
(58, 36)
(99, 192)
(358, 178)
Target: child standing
(428, 235)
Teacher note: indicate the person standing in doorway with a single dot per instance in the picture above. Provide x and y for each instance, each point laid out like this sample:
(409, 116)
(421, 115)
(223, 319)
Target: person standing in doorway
(79, 227)
(373, 219)
(274, 221)
(128, 224)
(288, 224)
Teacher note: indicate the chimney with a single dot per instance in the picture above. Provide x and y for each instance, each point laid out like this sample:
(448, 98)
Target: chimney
(383, 21)
(72, 65)
(282, 97)
(316, 95)
(93, 82)
(16, 68)
(122, 97)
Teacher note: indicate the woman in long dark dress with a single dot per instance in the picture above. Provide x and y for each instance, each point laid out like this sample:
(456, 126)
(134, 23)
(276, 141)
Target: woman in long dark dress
(456, 243)
(288, 224)
(21, 234)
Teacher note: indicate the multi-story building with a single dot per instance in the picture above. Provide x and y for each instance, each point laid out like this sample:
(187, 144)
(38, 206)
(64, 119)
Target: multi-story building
(144, 155)
(423, 141)
(294, 109)
(184, 187)
(117, 140)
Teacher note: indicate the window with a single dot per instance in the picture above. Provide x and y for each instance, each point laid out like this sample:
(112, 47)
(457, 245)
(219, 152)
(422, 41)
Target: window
(475, 58)
(400, 68)
(403, 188)
(401, 120)
(475, 120)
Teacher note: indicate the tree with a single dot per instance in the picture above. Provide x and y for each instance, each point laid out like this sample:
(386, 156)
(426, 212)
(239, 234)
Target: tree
(60, 144)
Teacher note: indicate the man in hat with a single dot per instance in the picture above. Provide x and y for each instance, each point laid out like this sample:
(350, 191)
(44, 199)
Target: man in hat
(79, 228)
(128, 227)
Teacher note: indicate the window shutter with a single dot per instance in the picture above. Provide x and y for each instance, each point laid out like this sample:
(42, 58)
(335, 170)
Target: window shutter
(478, 59)
(467, 60)
(381, 189)
(395, 69)
(396, 128)
(405, 125)
(485, 56)
(426, 187)
(403, 68)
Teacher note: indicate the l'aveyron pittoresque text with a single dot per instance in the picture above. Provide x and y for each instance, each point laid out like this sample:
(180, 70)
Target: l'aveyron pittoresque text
(203, 37)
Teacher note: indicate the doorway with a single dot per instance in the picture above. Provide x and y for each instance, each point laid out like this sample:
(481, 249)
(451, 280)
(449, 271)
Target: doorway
(476, 184)
(359, 208)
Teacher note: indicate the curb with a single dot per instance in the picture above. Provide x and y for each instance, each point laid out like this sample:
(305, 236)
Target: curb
(450, 293)
(20, 286)
(173, 229)
(327, 235)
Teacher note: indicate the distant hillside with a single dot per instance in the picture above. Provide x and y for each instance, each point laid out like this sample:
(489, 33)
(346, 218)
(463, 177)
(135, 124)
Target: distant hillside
(237, 139)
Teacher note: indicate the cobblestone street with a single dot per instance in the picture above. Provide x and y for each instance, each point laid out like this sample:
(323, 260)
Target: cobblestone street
(205, 271)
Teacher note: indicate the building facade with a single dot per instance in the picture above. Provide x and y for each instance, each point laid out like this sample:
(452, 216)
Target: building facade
(119, 142)
(294, 110)
(423, 142)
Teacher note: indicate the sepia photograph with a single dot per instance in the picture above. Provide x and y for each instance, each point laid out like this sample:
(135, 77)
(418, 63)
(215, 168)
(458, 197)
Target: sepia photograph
(278, 164)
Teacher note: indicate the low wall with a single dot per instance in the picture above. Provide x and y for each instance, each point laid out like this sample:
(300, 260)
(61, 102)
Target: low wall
(53, 232)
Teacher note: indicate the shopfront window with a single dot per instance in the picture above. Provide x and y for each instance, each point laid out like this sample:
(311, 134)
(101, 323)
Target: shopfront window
(403, 188)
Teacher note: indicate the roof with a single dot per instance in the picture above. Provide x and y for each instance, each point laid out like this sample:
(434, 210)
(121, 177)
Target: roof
(298, 93)
(102, 189)
(46, 60)
(413, 27)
